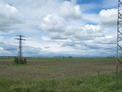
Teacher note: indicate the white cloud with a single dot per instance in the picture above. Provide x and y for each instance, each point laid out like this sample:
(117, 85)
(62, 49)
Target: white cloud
(108, 17)
(108, 39)
(88, 32)
(69, 10)
(9, 16)
(93, 28)
(53, 23)
(58, 27)
(94, 18)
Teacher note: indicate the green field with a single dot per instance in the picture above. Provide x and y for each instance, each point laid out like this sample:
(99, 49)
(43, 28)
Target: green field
(60, 75)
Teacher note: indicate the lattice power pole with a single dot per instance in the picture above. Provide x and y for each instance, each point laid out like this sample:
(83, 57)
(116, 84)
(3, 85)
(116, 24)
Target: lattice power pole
(20, 48)
(119, 37)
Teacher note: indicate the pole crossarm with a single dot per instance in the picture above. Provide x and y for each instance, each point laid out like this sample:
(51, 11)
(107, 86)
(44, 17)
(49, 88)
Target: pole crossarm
(20, 37)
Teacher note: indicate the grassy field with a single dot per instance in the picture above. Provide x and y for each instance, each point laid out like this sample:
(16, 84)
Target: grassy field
(101, 83)
(48, 68)
(60, 75)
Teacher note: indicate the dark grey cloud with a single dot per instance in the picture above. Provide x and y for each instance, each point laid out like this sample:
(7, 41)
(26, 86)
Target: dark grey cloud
(10, 49)
(7, 49)
(32, 51)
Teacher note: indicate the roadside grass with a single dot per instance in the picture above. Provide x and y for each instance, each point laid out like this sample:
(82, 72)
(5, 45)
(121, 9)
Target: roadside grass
(101, 83)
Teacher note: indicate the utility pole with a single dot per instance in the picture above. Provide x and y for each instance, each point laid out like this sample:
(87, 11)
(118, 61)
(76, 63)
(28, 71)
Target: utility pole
(119, 37)
(20, 48)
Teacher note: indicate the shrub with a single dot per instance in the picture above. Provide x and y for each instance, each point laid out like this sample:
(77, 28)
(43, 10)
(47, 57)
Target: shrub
(16, 60)
(22, 61)
(25, 61)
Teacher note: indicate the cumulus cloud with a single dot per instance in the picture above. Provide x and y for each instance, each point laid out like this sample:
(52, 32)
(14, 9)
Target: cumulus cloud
(108, 39)
(59, 27)
(108, 17)
(87, 32)
(9, 16)
(90, 37)
(94, 18)
(53, 23)
(69, 10)
(57, 30)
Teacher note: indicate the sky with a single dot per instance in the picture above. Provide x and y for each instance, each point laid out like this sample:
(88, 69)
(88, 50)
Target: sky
(83, 28)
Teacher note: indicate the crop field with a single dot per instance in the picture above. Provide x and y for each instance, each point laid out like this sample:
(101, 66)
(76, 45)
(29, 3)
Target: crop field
(47, 68)
(59, 75)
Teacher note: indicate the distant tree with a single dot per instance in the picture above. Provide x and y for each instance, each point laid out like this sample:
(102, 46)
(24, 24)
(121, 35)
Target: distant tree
(22, 61)
(70, 56)
(16, 60)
